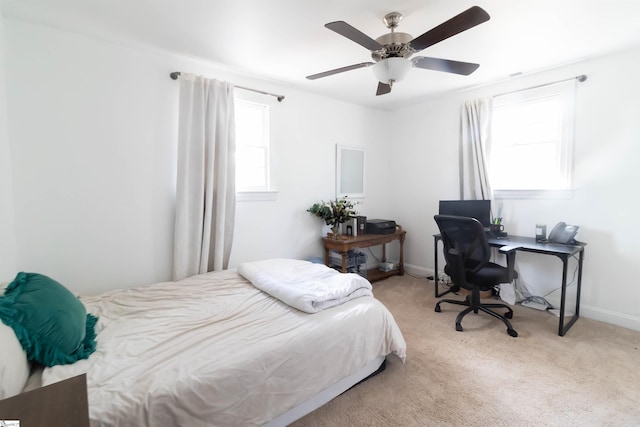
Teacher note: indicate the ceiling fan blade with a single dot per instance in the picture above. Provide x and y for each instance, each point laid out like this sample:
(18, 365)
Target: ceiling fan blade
(354, 34)
(459, 23)
(446, 65)
(339, 70)
(383, 89)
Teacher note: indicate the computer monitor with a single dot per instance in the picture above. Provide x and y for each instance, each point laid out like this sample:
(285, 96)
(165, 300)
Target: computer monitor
(478, 209)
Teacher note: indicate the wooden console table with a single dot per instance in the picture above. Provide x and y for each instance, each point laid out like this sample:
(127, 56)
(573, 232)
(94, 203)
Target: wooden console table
(343, 244)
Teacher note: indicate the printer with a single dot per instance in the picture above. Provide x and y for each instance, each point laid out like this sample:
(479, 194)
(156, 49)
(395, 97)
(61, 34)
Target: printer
(381, 226)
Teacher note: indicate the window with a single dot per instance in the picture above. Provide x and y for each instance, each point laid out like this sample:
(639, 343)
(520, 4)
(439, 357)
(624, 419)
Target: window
(252, 146)
(532, 139)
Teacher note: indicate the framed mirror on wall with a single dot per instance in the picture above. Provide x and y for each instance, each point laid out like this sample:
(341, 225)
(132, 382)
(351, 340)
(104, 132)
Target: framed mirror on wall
(349, 172)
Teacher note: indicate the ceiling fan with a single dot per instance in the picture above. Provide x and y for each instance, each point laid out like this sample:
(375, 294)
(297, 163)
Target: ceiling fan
(391, 51)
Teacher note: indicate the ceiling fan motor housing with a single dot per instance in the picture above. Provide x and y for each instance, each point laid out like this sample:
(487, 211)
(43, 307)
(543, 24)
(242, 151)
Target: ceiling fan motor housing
(395, 45)
(392, 19)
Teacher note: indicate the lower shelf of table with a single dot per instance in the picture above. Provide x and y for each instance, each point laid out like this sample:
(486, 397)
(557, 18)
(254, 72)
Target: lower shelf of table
(375, 274)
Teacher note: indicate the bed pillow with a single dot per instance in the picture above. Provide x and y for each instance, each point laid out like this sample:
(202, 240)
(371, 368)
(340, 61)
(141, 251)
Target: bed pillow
(14, 366)
(50, 322)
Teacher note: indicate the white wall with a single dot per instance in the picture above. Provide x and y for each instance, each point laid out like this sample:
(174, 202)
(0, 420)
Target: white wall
(93, 147)
(7, 232)
(91, 177)
(605, 176)
(306, 130)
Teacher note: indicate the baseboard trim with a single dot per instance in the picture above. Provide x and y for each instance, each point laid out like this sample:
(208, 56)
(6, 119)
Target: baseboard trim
(418, 271)
(612, 317)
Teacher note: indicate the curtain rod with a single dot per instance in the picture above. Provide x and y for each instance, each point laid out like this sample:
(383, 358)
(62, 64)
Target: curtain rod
(176, 74)
(580, 78)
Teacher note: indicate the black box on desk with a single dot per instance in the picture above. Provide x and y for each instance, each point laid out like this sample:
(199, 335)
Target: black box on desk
(381, 226)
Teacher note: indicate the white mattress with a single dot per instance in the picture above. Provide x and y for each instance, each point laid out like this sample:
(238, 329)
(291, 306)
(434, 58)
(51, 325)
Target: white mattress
(214, 350)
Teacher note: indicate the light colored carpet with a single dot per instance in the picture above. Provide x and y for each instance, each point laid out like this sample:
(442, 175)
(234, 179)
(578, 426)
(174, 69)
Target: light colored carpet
(484, 377)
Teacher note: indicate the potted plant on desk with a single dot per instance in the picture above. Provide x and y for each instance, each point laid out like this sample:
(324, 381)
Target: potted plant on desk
(334, 212)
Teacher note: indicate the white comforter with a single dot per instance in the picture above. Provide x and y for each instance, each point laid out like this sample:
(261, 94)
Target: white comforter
(212, 350)
(304, 285)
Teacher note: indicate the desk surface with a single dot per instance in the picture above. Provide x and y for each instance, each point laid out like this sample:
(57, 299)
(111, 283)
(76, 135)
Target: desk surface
(529, 244)
(363, 240)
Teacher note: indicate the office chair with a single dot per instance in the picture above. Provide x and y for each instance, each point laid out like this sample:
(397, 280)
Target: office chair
(467, 254)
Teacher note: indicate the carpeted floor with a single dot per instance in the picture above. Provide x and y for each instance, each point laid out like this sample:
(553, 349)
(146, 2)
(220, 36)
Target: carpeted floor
(484, 377)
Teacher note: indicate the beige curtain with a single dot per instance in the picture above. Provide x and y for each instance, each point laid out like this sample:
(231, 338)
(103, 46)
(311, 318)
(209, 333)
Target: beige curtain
(205, 193)
(475, 139)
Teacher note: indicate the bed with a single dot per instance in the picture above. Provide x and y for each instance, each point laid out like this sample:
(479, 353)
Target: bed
(214, 349)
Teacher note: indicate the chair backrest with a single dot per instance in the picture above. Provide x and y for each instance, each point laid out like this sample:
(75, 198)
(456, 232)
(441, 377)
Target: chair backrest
(465, 246)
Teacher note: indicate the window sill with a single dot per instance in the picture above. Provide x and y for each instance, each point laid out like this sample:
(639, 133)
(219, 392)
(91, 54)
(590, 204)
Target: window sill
(533, 194)
(256, 196)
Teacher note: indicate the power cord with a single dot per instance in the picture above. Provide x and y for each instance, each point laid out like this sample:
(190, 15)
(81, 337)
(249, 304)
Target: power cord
(573, 277)
(374, 257)
(444, 280)
(542, 299)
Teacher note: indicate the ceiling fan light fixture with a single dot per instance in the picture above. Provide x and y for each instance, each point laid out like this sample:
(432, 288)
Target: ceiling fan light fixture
(393, 69)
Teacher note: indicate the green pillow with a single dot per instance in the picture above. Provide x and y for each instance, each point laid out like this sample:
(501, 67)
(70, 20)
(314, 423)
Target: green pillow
(50, 322)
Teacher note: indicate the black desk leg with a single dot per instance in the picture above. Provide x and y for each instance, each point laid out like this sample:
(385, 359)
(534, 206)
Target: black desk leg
(579, 283)
(562, 329)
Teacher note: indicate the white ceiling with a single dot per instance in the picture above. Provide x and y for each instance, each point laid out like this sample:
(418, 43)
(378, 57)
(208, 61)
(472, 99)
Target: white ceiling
(285, 40)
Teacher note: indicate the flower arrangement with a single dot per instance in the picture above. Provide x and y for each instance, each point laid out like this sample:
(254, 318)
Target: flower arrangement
(334, 212)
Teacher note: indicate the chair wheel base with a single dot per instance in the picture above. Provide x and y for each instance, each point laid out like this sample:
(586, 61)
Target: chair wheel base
(509, 314)
(512, 332)
(459, 327)
(437, 309)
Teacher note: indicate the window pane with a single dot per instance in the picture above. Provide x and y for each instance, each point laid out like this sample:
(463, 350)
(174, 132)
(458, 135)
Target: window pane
(250, 157)
(252, 146)
(249, 179)
(250, 117)
(531, 139)
(529, 122)
(250, 169)
(525, 167)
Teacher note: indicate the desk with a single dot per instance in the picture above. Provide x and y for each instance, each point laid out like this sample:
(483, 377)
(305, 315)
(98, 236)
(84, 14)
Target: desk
(344, 243)
(529, 244)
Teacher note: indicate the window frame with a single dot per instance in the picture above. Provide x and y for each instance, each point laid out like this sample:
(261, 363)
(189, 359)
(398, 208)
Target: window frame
(266, 192)
(566, 91)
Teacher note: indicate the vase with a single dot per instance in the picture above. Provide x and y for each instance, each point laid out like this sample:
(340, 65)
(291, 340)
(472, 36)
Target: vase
(334, 233)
